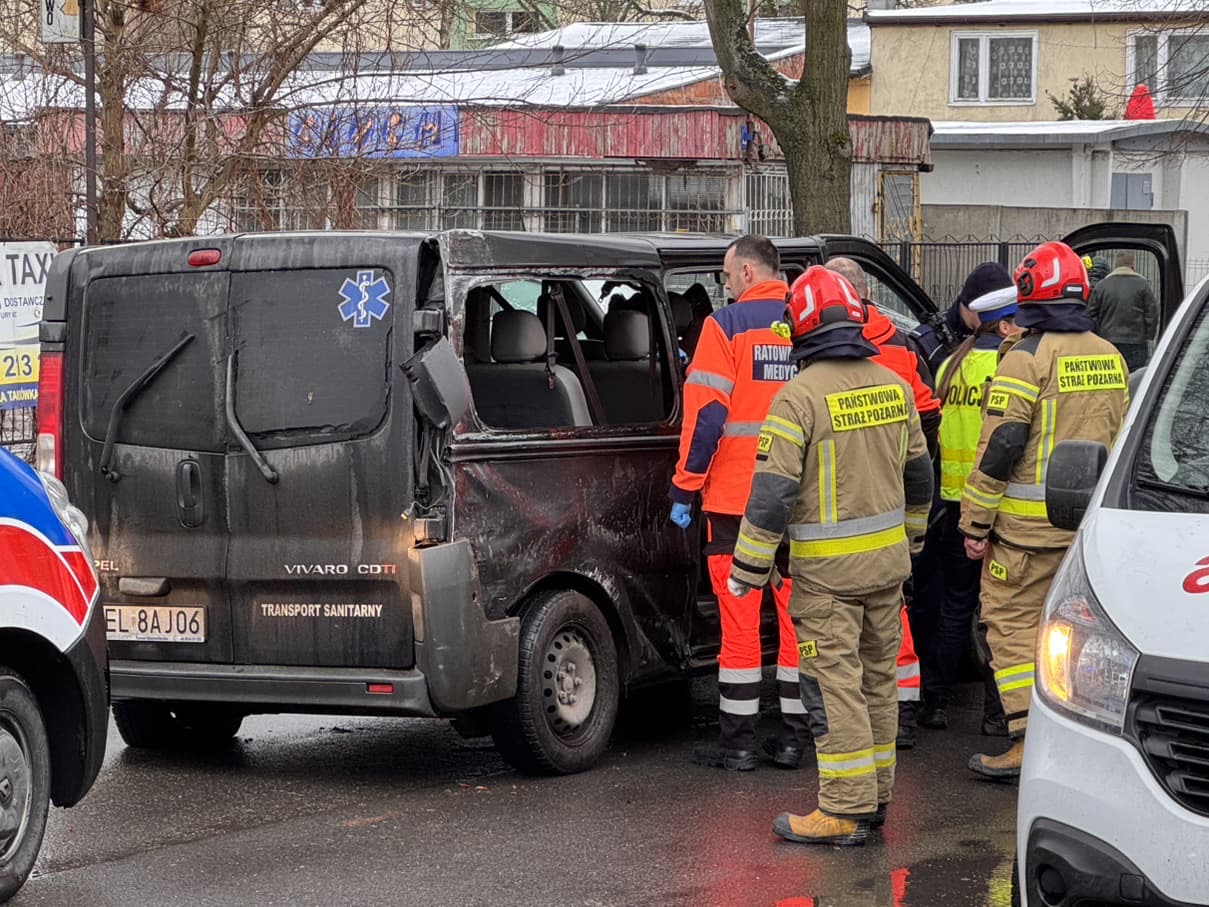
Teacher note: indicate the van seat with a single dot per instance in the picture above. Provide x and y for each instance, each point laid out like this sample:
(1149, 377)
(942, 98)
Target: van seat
(514, 390)
(623, 380)
(591, 349)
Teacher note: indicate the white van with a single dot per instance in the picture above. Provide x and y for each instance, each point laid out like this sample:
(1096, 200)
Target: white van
(1114, 792)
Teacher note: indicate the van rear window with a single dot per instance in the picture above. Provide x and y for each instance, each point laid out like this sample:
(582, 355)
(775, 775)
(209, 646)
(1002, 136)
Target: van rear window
(306, 372)
(129, 323)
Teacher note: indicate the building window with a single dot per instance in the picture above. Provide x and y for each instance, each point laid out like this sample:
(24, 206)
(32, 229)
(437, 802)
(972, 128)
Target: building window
(696, 203)
(459, 201)
(1174, 65)
(634, 202)
(770, 210)
(496, 23)
(503, 201)
(998, 68)
(573, 201)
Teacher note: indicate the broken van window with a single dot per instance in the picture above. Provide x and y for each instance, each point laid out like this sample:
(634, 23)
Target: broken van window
(522, 381)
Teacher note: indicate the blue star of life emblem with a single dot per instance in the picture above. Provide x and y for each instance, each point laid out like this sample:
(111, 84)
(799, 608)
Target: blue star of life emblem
(364, 299)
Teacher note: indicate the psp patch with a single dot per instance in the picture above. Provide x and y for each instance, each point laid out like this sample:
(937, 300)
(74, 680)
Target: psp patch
(364, 298)
(808, 649)
(997, 403)
(998, 571)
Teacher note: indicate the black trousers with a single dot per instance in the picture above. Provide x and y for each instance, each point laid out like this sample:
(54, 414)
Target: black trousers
(958, 604)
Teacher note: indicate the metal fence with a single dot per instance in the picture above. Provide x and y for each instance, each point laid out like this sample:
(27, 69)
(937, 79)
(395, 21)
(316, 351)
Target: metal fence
(942, 267)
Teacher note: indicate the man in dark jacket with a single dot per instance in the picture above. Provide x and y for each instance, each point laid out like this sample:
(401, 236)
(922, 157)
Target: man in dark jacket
(935, 341)
(1125, 311)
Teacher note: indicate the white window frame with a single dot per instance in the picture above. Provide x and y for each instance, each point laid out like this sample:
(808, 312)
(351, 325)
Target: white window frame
(984, 57)
(1159, 91)
(509, 22)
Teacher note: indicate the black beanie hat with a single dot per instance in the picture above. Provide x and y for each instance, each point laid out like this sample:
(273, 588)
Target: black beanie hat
(983, 279)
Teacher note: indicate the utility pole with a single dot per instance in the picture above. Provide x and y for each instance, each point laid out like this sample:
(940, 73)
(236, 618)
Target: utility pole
(88, 34)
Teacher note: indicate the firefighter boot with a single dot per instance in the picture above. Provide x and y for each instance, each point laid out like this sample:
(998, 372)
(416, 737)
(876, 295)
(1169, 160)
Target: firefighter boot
(820, 828)
(1005, 767)
(906, 726)
(720, 757)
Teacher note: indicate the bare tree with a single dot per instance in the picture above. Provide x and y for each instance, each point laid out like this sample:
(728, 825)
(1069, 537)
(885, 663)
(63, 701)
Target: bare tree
(192, 95)
(809, 117)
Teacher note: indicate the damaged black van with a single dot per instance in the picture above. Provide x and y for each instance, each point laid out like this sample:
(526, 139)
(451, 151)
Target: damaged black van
(388, 474)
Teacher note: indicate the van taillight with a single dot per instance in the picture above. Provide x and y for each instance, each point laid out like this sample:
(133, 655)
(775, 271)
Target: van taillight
(48, 454)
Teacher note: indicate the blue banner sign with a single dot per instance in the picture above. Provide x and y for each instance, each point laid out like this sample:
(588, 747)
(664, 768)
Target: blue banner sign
(374, 132)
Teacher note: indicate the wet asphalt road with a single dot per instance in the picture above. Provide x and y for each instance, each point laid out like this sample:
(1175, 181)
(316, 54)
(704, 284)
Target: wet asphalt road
(325, 811)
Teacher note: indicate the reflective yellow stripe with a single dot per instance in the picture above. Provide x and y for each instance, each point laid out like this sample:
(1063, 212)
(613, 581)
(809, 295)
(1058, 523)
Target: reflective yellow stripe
(1014, 670)
(828, 510)
(783, 428)
(916, 521)
(758, 551)
(846, 765)
(884, 755)
(856, 544)
(1045, 446)
(989, 502)
(1018, 507)
(1021, 389)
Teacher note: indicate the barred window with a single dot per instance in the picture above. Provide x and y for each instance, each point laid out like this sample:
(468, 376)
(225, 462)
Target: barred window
(573, 202)
(634, 201)
(503, 201)
(696, 203)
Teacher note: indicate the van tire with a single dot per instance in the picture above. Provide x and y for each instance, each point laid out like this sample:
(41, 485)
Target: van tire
(566, 650)
(24, 781)
(153, 724)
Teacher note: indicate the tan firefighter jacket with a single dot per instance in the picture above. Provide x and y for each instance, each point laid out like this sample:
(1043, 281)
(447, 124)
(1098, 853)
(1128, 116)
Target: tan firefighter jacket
(1049, 387)
(842, 468)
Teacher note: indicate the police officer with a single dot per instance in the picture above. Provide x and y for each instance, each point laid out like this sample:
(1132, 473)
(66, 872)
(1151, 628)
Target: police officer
(1059, 381)
(843, 468)
(963, 378)
(936, 340)
(738, 366)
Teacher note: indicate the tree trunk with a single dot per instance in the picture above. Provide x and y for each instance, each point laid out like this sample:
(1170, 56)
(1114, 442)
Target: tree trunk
(809, 118)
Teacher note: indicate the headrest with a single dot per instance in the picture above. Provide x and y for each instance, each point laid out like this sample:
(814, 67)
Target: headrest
(627, 335)
(579, 318)
(517, 336)
(682, 311)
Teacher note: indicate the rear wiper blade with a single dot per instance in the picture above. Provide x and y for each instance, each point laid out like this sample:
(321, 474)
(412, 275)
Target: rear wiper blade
(123, 403)
(269, 473)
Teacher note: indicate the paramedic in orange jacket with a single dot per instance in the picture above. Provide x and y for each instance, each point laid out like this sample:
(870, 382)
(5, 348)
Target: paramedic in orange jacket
(738, 367)
(898, 357)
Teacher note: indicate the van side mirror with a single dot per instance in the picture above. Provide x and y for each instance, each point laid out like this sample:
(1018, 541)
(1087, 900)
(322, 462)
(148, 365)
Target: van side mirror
(439, 385)
(1074, 469)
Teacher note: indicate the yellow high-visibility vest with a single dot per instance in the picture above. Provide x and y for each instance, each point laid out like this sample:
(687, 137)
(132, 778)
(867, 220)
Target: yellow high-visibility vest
(961, 419)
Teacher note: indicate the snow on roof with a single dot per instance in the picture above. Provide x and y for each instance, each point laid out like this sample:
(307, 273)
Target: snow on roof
(954, 134)
(1079, 10)
(787, 35)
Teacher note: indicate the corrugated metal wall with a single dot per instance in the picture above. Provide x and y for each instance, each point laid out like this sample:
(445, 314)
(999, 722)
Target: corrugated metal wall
(864, 200)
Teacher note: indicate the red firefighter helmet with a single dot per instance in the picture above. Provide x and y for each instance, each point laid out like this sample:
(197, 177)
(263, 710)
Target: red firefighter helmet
(1052, 272)
(822, 300)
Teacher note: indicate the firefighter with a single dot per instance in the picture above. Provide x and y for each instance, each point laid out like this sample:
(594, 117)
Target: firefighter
(1058, 382)
(895, 354)
(738, 365)
(843, 468)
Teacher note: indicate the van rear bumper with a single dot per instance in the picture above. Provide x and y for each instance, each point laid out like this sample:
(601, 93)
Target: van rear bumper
(275, 688)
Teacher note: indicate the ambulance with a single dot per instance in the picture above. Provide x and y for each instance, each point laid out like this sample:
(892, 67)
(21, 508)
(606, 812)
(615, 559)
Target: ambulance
(1114, 790)
(54, 694)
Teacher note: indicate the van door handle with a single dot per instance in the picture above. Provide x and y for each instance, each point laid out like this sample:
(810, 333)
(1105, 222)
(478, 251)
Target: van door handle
(189, 503)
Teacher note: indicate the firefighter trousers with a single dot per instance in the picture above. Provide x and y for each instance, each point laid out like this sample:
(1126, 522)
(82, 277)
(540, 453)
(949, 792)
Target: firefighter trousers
(740, 659)
(848, 648)
(1015, 582)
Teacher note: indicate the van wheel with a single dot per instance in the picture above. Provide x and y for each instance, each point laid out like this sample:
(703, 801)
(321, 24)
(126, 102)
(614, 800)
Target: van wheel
(152, 724)
(24, 782)
(566, 693)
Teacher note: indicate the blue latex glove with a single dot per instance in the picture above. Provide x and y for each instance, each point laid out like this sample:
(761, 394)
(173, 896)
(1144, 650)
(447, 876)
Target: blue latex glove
(682, 515)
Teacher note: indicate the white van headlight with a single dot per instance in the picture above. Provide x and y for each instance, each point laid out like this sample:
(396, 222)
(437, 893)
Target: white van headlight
(1085, 666)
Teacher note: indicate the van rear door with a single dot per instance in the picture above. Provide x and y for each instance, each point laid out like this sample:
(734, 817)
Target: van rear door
(146, 445)
(320, 449)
